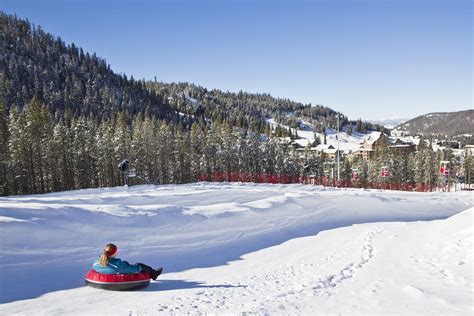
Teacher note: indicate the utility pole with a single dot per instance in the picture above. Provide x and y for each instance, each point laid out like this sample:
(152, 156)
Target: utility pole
(337, 137)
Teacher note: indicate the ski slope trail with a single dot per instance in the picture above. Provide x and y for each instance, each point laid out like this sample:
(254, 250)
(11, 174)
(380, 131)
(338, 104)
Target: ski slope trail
(223, 246)
(398, 268)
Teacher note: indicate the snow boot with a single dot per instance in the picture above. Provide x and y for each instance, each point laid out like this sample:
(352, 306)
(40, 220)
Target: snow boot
(156, 273)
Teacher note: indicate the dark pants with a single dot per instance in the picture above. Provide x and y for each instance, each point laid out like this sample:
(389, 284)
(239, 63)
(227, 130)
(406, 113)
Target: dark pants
(146, 269)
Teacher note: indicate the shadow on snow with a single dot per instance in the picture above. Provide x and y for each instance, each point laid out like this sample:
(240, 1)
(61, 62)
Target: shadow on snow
(170, 285)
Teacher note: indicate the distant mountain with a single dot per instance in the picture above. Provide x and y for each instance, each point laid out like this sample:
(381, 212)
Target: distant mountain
(448, 124)
(390, 123)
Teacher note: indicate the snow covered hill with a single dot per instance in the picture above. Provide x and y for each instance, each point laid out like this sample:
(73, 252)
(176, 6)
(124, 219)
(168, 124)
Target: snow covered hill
(448, 124)
(234, 248)
(340, 139)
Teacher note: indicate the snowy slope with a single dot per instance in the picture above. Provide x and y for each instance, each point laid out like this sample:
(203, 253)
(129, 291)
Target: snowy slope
(214, 239)
(341, 140)
(345, 142)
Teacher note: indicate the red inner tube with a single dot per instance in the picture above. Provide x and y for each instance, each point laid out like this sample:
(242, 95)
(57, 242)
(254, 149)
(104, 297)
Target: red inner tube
(97, 277)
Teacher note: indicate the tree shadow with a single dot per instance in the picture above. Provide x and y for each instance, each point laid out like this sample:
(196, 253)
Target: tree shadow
(170, 285)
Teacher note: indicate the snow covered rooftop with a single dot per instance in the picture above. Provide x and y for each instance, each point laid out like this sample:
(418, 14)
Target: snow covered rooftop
(400, 146)
(372, 137)
(285, 139)
(302, 142)
(328, 149)
(321, 147)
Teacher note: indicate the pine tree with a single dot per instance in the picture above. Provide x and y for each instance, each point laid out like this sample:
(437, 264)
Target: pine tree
(91, 148)
(468, 168)
(152, 142)
(82, 159)
(322, 167)
(346, 172)
(268, 149)
(18, 154)
(58, 158)
(396, 167)
(251, 154)
(38, 130)
(108, 173)
(359, 126)
(383, 158)
(226, 155)
(165, 152)
(291, 163)
(349, 130)
(4, 181)
(411, 170)
(309, 166)
(181, 158)
(196, 147)
(419, 175)
(430, 168)
(122, 137)
(137, 147)
(237, 149)
(363, 174)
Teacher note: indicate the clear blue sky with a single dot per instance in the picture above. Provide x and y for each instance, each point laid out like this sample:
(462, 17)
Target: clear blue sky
(370, 58)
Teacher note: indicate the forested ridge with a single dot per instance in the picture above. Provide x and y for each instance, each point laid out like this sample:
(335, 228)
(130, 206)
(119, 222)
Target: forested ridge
(447, 125)
(68, 119)
(66, 79)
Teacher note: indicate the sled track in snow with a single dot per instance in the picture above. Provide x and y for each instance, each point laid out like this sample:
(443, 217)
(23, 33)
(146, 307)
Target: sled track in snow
(333, 280)
(286, 282)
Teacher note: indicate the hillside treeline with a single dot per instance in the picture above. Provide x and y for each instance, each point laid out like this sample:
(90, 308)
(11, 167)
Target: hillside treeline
(41, 153)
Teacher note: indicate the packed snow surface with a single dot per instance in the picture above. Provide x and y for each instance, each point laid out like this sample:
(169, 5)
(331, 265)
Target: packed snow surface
(238, 248)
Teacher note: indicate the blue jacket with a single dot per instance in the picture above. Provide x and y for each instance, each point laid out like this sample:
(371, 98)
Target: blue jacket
(115, 266)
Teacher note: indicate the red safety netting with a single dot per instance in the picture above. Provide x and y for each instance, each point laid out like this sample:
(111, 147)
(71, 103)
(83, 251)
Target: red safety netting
(324, 181)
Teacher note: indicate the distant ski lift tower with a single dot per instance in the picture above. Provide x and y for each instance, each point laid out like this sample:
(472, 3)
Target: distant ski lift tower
(444, 171)
(384, 172)
(444, 168)
(355, 174)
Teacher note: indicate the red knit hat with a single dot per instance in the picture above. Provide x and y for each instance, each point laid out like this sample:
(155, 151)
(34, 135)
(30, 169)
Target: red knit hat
(111, 251)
